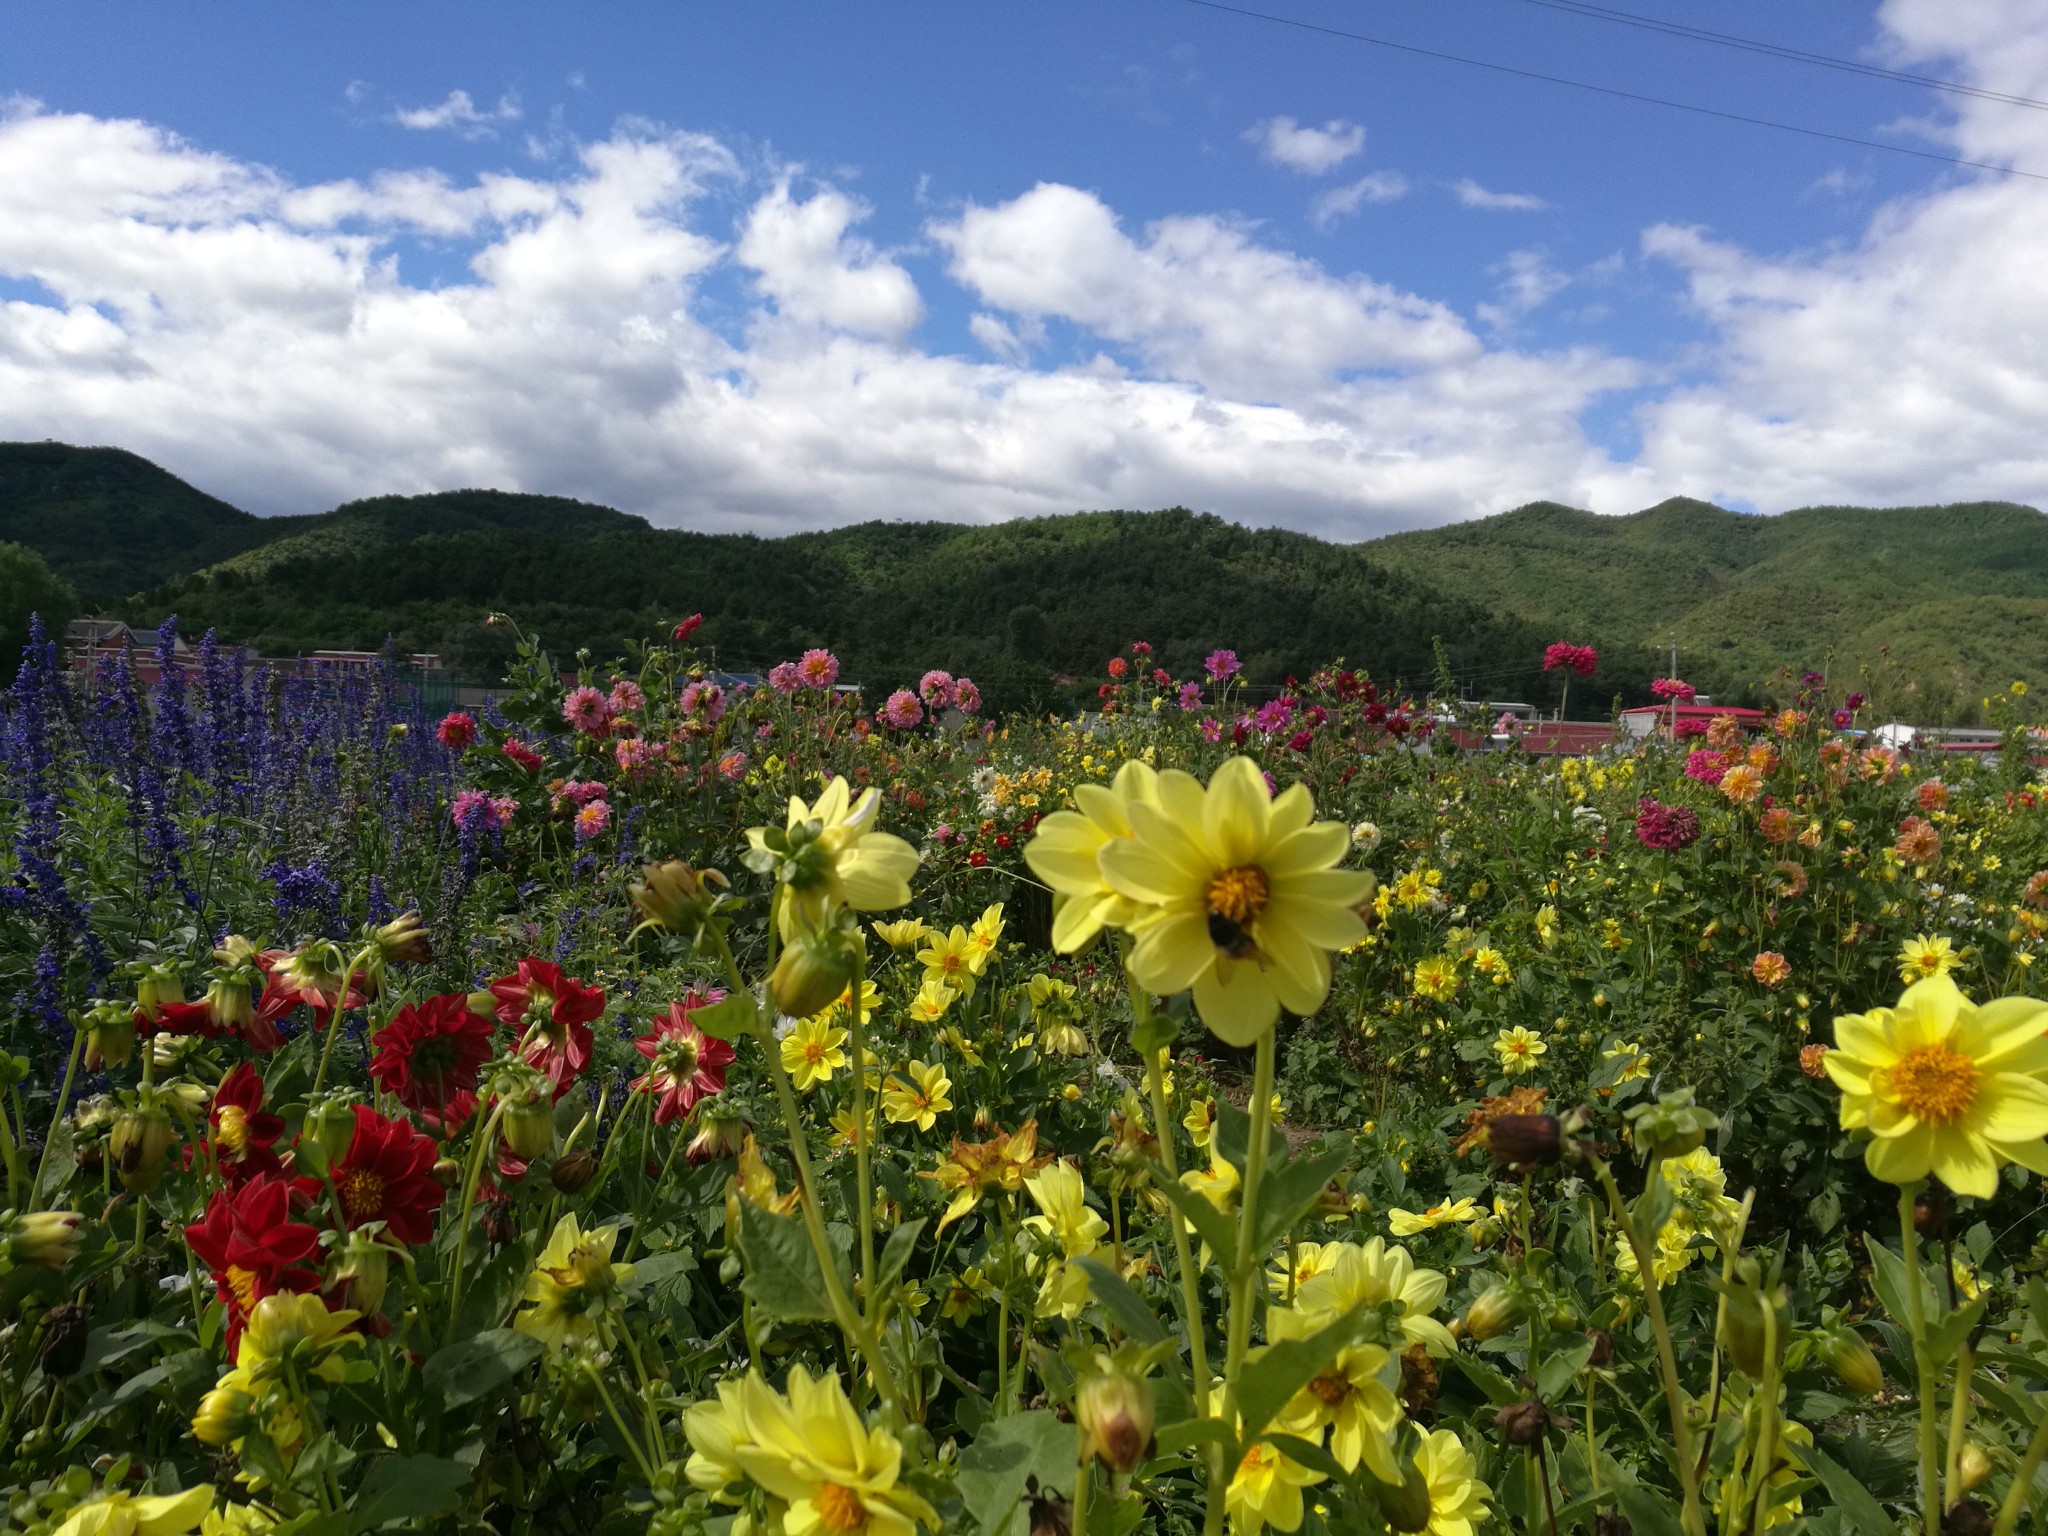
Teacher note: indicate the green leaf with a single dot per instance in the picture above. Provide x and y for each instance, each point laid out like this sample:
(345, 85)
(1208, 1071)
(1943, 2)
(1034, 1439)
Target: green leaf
(1268, 1384)
(726, 1020)
(1308, 1453)
(1498, 1389)
(1945, 1336)
(1155, 1033)
(1866, 1516)
(409, 1488)
(1213, 1227)
(1189, 1433)
(1234, 1136)
(782, 1278)
(1889, 1279)
(896, 1252)
(1290, 1191)
(1124, 1305)
(479, 1366)
(1008, 1452)
(1649, 1514)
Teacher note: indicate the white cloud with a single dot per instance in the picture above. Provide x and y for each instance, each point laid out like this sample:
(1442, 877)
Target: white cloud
(1473, 195)
(460, 113)
(1301, 147)
(266, 340)
(1342, 202)
(1527, 283)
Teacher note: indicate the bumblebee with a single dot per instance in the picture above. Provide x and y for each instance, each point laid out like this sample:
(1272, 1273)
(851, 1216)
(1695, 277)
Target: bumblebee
(1228, 935)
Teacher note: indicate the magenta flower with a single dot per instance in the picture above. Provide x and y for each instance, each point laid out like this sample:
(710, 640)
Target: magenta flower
(1190, 697)
(1222, 665)
(1563, 656)
(585, 709)
(1673, 688)
(1274, 716)
(1211, 730)
(819, 669)
(938, 689)
(592, 820)
(902, 711)
(783, 678)
(703, 698)
(1705, 765)
(966, 697)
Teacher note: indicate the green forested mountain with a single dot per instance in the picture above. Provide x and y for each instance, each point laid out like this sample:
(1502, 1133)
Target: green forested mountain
(1932, 606)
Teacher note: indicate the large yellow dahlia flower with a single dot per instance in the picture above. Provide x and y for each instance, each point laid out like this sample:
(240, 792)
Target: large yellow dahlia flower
(829, 855)
(1238, 897)
(1946, 1087)
(1064, 852)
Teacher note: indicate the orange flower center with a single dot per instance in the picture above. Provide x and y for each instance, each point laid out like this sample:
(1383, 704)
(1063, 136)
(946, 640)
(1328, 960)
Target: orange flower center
(362, 1193)
(1256, 1460)
(1935, 1083)
(814, 1052)
(839, 1509)
(1332, 1390)
(1240, 894)
(231, 1130)
(242, 1284)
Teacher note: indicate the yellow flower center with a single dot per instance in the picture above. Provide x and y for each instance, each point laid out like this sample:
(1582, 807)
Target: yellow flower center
(1240, 894)
(231, 1130)
(839, 1509)
(1934, 1082)
(242, 1283)
(362, 1193)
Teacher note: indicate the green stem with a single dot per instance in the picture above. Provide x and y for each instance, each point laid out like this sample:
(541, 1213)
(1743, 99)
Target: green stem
(1926, 1369)
(2022, 1480)
(360, 962)
(856, 1033)
(618, 1420)
(1183, 1250)
(1082, 1479)
(1244, 1269)
(1758, 1486)
(486, 1137)
(1691, 1517)
(1958, 1422)
(656, 1440)
(13, 1155)
(35, 1193)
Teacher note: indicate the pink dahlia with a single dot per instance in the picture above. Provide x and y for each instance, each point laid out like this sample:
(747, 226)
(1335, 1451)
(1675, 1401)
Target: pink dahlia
(1674, 688)
(626, 697)
(784, 678)
(1222, 665)
(819, 669)
(585, 709)
(592, 820)
(1563, 656)
(1704, 764)
(902, 711)
(938, 689)
(966, 697)
(522, 754)
(456, 730)
(703, 698)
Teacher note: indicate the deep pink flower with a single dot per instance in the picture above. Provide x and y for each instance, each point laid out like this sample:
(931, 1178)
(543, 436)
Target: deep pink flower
(1222, 665)
(1118, 666)
(938, 689)
(1190, 697)
(592, 820)
(456, 730)
(1705, 765)
(688, 1065)
(1674, 688)
(1563, 656)
(689, 627)
(784, 678)
(522, 754)
(626, 697)
(902, 711)
(966, 697)
(551, 1013)
(703, 698)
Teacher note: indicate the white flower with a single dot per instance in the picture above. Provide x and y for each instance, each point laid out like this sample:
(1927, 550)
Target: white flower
(1365, 837)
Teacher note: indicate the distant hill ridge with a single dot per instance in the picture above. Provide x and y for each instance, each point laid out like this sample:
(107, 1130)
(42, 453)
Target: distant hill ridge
(1939, 604)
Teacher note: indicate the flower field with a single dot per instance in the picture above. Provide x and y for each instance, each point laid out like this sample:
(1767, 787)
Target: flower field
(659, 1104)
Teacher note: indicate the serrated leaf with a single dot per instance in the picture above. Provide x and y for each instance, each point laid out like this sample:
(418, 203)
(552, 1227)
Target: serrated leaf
(1124, 1305)
(782, 1275)
(479, 1366)
(1290, 1191)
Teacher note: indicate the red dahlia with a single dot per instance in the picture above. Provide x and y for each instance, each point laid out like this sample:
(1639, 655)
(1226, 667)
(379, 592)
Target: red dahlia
(428, 1054)
(242, 1132)
(551, 1013)
(388, 1176)
(254, 1248)
(456, 730)
(689, 1065)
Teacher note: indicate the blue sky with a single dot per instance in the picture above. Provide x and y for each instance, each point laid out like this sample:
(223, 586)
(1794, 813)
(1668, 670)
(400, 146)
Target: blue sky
(1480, 290)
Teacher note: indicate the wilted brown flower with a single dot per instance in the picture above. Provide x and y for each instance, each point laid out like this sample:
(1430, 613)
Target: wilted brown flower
(1788, 879)
(1810, 1059)
(1516, 1101)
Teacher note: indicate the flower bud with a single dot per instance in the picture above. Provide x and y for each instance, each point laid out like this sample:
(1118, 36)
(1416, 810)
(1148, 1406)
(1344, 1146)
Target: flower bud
(109, 1036)
(229, 1003)
(1525, 1141)
(719, 1134)
(403, 940)
(46, 1239)
(140, 1139)
(1492, 1314)
(1405, 1505)
(329, 1131)
(814, 969)
(1974, 1466)
(1115, 1412)
(1853, 1362)
(1671, 1127)
(1756, 1338)
(676, 896)
(528, 1126)
(1523, 1424)
(358, 1277)
(225, 1415)
(160, 984)
(65, 1329)
(234, 950)
(573, 1170)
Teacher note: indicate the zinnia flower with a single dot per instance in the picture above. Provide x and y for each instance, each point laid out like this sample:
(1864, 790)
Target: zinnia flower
(1704, 766)
(1946, 1087)
(1563, 656)
(592, 820)
(784, 678)
(388, 1176)
(456, 730)
(936, 688)
(1931, 796)
(688, 1065)
(428, 1055)
(1239, 894)
(829, 855)
(1669, 827)
(551, 1013)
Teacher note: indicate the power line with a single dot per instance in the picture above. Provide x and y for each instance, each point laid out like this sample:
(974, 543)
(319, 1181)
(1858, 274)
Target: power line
(1608, 90)
(1778, 51)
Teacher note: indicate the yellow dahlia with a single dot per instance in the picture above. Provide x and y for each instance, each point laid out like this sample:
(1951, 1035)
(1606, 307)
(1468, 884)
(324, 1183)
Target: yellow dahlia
(1921, 957)
(1239, 897)
(1457, 1499)
(1946, 1087)
(810, 1450)
(1064, 851)
(828, 855)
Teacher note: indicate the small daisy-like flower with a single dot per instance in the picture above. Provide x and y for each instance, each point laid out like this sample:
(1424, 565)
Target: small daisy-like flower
(1519, 1050)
